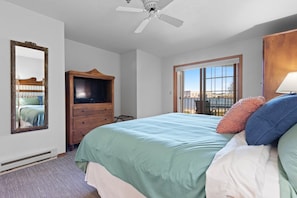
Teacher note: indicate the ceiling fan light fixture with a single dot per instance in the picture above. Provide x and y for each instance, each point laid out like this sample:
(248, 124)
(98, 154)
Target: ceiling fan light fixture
(152, 7)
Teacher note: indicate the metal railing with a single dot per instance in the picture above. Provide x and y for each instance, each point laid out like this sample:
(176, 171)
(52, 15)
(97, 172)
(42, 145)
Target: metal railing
(215, 106)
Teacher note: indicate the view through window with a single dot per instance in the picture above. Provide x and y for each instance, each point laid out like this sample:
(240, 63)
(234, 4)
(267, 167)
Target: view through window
(210, 89)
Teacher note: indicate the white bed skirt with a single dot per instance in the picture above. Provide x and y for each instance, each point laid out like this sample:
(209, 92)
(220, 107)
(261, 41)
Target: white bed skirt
(107, 185)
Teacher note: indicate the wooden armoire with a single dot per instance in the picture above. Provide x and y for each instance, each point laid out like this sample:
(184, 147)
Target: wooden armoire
(280, 58)
(89, 103)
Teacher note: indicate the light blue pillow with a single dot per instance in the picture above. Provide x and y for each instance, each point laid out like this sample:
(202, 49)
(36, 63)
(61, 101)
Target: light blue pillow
(29, 101)
(272, 120)
(287, 151)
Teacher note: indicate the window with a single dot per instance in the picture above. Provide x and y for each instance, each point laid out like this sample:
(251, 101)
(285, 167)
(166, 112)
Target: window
(208, 87)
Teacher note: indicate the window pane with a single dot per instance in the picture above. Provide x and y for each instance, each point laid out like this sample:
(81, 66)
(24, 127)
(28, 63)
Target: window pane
(218, 84)
(228, 71)
(209, 85)
(229, 84)
(191, 90)
(192, 80)
(209, 72)
(218, 71)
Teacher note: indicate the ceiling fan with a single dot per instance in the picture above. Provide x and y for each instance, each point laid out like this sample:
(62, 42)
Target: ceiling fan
(153, 8)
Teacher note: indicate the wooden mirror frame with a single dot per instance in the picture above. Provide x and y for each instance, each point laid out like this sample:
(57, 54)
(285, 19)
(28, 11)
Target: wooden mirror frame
(30, 82)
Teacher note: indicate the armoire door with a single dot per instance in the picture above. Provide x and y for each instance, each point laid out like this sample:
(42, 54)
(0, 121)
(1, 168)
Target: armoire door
(280, 58)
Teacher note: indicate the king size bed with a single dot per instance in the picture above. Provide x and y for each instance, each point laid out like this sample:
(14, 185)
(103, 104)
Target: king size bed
(184, 155)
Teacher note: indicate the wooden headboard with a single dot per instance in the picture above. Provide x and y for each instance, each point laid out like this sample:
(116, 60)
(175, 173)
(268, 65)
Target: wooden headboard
(29, 86)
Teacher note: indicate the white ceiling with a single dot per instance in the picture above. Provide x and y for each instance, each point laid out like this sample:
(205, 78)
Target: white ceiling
(206, 22)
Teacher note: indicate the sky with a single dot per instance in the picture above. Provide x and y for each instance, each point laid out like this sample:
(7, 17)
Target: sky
(192, 76)
(191, 80)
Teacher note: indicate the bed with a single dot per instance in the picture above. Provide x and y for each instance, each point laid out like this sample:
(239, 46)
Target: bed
(31, 115)
(182, 155)
(30, 102)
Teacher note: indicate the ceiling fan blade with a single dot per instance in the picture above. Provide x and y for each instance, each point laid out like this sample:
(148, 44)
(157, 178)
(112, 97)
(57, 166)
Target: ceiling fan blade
(171, 20)
(142, 25)
(163, 3)
(129, 9)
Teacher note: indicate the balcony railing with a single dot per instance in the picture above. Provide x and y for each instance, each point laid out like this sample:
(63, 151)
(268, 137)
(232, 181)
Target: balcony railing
(215, 106)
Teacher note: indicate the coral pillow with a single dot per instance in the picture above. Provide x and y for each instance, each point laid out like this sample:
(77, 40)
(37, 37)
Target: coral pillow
(236, 117)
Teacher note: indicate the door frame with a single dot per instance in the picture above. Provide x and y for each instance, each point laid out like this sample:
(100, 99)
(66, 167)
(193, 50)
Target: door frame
(206, 62)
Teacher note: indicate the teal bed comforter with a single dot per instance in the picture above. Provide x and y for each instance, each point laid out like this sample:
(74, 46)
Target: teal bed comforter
(161, 156)
(33, 114)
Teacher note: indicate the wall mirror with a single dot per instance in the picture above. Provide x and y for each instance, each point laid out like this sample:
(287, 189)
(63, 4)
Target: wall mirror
(29, 104)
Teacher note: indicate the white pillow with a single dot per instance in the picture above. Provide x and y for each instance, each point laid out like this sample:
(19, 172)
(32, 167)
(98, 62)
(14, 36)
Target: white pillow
(238, 170)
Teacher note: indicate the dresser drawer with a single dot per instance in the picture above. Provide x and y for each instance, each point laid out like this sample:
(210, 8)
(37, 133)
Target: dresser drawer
(90, 122)
(82, 126)
(91, 111)
(78, 135)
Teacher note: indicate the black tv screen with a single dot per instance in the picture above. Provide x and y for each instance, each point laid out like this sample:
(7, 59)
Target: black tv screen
(89, 90)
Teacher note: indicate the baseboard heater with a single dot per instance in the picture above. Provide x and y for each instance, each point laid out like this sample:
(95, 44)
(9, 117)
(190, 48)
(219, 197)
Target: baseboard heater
(28, 160)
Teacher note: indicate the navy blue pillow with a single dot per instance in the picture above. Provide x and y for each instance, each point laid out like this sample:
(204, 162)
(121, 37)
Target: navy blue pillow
(40, 99)
(272, 120)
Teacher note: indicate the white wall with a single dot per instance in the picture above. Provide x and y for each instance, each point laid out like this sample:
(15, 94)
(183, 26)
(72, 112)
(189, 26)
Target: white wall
(149, 85)
(129, 83)
(28, 67)
(23, 25)
(252, 67)
(81, 57)
(141, 84)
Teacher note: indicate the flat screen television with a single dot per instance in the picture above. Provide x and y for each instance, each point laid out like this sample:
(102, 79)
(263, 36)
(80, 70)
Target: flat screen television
(89, 90)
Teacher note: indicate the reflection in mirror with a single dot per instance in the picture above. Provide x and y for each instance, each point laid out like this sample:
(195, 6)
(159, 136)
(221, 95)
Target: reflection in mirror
(28, 87)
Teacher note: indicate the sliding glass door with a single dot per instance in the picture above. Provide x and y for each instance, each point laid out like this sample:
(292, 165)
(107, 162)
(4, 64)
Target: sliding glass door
(220, 91)
(208, 88)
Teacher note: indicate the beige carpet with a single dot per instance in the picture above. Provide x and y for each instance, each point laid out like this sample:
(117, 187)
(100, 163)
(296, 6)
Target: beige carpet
(59, 178)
